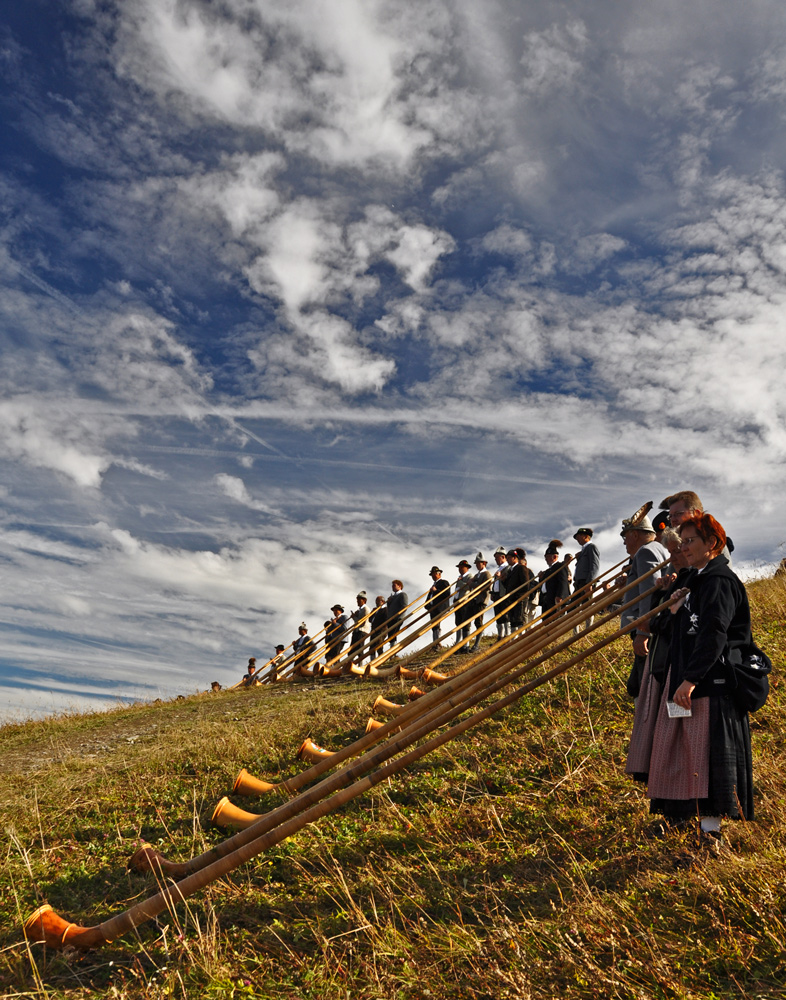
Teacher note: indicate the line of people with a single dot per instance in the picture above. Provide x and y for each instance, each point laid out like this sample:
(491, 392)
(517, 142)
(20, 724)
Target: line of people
(362, 633)
(692, 662)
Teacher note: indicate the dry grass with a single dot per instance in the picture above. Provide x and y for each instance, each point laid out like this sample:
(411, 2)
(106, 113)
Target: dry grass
(509, 864)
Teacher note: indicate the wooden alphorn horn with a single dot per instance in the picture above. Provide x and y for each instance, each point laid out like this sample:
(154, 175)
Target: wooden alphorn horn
(372, 724)
(309, 750)
(473, 679)
(381, 673)
(47, 926)
(434, 677)
(557, 625)
(227, 814)
(384, 707)
(247, 784)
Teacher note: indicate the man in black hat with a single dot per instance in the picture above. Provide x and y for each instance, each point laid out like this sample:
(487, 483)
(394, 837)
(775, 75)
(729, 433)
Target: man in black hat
(587, 567)
(277, 663)
(555, 581)
(499, 586)
(461, 591)
(304, 649)
(361, 629)
(335, 632)
(396, 603)
(379, 627)
(481, 584)
(437, 601)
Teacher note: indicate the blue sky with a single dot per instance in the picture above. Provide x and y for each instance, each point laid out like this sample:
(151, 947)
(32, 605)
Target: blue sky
(298, 297)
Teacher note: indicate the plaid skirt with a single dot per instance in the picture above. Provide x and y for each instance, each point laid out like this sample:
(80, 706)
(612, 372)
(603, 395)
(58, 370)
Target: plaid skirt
(700, 765)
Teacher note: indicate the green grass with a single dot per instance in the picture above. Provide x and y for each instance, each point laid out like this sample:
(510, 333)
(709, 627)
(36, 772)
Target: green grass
(510, 863)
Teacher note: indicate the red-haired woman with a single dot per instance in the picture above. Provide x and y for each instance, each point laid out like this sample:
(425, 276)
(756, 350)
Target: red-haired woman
(701, 763)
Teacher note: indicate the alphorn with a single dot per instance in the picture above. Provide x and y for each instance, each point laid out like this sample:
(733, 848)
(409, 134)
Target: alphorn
(478, 667)
(384, 707)
(455, 707)
(320, 650)
(47, 926)
(244, 820)
(309, 750)
(374, 669)
(147, 857)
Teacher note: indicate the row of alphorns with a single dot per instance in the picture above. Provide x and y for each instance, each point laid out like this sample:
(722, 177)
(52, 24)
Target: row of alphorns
(427, 722)
(418, 625)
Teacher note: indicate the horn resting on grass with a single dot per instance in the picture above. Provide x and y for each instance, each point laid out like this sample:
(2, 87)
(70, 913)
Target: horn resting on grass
(335, 791)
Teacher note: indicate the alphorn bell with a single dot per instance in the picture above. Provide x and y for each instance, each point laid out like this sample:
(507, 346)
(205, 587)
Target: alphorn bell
(373, 724)
(247, 784)
(434, 677)
(227, 814)
(384, 707)
(330, 671)
(409, 675)
(309, 750)
(379, 673)
(415, 693)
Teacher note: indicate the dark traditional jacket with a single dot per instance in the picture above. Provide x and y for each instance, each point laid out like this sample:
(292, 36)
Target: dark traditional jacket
(586, 566)
(519, 584)
(714, 619)
(557, 585)
(438, 600)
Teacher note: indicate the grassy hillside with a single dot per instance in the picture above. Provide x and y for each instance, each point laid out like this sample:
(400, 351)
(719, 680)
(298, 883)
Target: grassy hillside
(512, 863)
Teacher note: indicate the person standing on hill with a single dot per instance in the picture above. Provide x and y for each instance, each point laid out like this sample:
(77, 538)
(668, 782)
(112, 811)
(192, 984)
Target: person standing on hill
(379, 627)
(701, 762)
(335, 633)
(481, 586)
(686, 504)
(277, 663)
(250, 677)
(397, 602)
(461, 591)
(437, 601)
(520, 585)
(555, 581)
(303, 647)
(586, 568)
(645, 553)
(361, 618)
